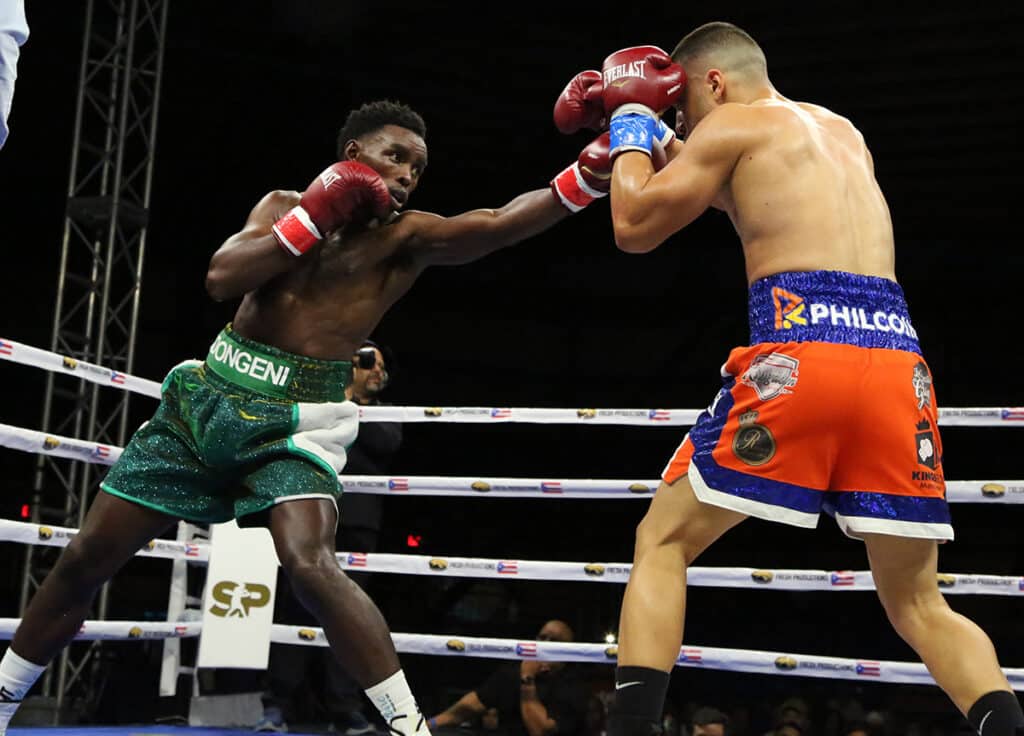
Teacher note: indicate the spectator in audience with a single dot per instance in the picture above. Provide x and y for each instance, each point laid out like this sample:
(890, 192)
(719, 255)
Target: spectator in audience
(530, 698)
(792, 718)
(708, 721)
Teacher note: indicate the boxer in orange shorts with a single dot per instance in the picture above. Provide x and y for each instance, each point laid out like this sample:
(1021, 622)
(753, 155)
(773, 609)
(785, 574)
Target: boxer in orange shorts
(830, 407)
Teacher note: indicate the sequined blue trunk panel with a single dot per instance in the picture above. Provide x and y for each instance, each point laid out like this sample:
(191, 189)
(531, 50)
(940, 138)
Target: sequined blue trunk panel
(831, 306)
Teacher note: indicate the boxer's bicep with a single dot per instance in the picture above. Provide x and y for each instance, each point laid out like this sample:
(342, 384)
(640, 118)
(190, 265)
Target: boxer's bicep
(251, 256)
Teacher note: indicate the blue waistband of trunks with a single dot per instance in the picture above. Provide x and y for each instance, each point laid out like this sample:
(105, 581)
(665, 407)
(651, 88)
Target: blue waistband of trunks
(831, 306)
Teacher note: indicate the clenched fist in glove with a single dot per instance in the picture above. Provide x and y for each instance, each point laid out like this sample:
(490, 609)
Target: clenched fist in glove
(638, 84)
(343, 192)
(580, 104)
(588, 178)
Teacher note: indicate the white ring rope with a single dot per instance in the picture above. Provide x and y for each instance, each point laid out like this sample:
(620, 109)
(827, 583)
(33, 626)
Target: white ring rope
(24, 532)
(701, 577)
(600, 572)
(19, 353)
(735, 660)
(16, 352)
(27, 440)
(957, 491)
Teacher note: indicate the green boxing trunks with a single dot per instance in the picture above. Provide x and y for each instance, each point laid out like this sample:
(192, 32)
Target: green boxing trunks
(249, 427)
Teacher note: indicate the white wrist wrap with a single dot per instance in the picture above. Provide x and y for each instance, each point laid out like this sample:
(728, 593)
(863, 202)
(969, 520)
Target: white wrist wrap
(572, 190)
(296, 232)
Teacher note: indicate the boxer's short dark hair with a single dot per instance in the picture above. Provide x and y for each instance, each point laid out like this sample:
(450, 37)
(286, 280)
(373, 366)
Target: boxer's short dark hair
(717, 36)
(373, 116)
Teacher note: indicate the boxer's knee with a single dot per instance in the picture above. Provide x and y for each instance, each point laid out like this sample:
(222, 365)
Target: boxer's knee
(914, 616)
(650, 534)
(677, 520)
(312, 572)
(85, 564)
(655, 533)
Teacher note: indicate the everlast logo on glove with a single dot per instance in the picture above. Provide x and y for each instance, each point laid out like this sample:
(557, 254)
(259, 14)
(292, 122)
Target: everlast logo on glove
(328, 177)
(631, 69)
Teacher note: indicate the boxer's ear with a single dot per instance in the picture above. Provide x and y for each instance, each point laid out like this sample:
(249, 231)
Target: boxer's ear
(351, 150)
(716, 81)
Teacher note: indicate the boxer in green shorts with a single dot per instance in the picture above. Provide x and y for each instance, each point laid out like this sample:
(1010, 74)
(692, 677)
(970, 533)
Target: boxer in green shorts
(258, 431)
(248, 428)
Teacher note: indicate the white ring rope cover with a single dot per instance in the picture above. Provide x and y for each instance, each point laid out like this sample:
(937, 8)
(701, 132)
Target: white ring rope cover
(27, 440)
(735, 660)
(600, 572)
(19, 353)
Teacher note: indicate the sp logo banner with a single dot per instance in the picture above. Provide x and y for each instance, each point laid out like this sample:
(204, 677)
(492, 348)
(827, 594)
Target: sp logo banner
(238, 602)
(237, 599)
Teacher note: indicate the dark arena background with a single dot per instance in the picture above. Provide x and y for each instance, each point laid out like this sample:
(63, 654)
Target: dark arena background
(252, 97)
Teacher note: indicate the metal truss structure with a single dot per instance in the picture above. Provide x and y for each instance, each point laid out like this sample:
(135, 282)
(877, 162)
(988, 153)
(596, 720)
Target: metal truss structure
(98, 285)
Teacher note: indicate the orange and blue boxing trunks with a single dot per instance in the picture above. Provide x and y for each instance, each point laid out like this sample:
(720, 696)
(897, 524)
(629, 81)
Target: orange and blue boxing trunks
(831, 408)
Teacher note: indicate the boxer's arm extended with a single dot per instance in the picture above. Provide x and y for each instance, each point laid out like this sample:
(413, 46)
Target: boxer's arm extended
(648, 207)
(252, 256)
(437, 240)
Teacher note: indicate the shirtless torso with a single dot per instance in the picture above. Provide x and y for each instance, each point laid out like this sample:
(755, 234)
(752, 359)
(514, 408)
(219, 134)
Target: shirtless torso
(804, 195)
(327, 302)
(796, 180)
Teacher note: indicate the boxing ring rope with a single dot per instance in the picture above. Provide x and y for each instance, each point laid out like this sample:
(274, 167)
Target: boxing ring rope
(182, 551)
(599, 572)
(735, 660)
(26, 355)
(27, 440)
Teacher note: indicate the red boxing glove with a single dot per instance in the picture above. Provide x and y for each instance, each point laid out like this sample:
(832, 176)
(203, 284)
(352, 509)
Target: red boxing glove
(588, 178)
(641, 75)
(580, 105)
(343, 192)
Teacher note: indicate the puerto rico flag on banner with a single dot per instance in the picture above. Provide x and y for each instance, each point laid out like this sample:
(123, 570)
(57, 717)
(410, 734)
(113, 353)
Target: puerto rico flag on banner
(117, 378)
(102, 451)
(508, 567)
(869, 669)
(6, 348)
(501, 413)
(659, 415)
(357, 559)
(191, 550)
(551, 486)
(398, 484)
(843, 577)
(526, 649)
(1015, 414)
(693, 656)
